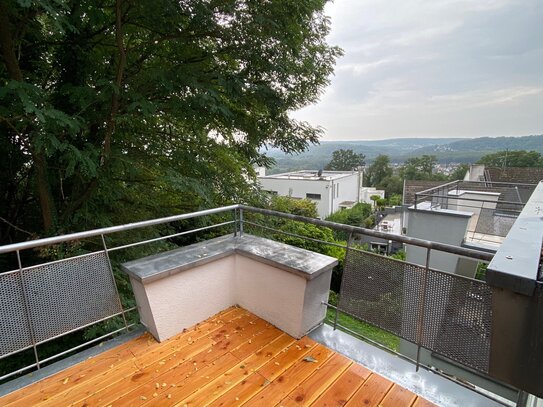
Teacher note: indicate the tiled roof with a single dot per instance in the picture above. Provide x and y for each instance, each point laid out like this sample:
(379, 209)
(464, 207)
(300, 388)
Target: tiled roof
(528, 175)
(413, 186)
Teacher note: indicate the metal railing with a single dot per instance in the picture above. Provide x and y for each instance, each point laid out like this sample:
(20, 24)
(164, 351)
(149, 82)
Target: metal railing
(416, 319)
(492, 216)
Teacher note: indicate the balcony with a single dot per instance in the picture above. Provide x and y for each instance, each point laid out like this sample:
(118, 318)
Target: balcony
(237, 319)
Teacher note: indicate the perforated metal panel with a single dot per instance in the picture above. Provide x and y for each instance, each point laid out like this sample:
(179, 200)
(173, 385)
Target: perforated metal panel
(14, 332)
(69, 294)
(491, 222)
(455, 312)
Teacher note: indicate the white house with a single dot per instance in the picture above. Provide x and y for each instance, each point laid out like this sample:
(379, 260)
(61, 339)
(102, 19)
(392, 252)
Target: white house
(331, 190)
(367, 192)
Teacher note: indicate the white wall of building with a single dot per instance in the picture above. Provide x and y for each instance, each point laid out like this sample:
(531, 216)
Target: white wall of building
(332, 191)
(367, 192)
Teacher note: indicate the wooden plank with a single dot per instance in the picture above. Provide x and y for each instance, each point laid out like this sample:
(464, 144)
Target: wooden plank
(293, 354)
(152, 373)
(420, 402)
(260, 340)
(233, 333)
(125, 353)
(66, 392)
(318, 382)
(237, 373)
(344, 387)
(371, 392)
(398, 396)
(175, 376)
(285, 382)
(241, 392)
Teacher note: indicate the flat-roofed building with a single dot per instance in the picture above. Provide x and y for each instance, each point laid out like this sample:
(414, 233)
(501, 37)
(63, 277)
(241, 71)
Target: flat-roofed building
(330, 190)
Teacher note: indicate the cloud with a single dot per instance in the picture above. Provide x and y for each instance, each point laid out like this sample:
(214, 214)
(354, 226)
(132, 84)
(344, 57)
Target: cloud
(434, 68)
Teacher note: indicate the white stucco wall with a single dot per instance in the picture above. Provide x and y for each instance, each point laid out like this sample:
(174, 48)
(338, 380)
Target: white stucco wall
(290, 302)
(331, 194)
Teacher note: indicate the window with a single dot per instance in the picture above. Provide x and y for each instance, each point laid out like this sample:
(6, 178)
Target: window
(313, 196)
(337, 190)
(271, 192)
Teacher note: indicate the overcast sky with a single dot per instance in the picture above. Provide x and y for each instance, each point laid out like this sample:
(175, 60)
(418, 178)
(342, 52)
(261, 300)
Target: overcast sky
(434, 68)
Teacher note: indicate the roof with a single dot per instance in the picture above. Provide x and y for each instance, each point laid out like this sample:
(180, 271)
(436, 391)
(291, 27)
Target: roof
(311, 175)
(527, 175)
(233, 358)
(413, 186)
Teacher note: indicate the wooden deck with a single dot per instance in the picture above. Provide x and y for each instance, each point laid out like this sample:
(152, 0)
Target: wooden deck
(231, 359)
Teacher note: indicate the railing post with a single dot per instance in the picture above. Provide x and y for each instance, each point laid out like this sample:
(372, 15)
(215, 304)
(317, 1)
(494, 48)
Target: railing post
(235, 222)
(349, 243)
(240, 222)
(422, 306)
(114, 282)
(27, 310)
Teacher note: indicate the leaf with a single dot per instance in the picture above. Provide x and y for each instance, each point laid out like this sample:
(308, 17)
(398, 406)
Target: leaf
(310, 359)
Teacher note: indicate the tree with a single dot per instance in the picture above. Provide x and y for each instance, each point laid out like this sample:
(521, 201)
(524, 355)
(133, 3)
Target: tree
(345, 160)
(418, 168)
(392, 185)
(517, 158)
(460, 172)
(379, 170)
(111, 112)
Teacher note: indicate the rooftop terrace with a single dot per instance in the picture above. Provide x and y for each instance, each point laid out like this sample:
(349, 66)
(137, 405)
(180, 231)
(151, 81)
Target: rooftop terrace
(455, 340)
(231, 359)
(308, 175)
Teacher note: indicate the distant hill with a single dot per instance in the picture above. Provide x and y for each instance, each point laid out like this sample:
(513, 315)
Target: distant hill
(447, 150)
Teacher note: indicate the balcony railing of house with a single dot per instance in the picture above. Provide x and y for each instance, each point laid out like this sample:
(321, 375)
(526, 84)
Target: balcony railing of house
(496, 205)
(450, 315)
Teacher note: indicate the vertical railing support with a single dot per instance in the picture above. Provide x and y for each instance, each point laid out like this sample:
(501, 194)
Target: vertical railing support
(235, 222)
(114, 282)
(240, 222)
(349, 243)
(422, 306)
(27, 310)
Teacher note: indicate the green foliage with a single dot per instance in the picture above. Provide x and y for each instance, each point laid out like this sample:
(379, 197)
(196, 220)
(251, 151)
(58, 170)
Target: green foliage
(301, 207)
(345, 160)
(517, 158)
(124, 111)
(416, 168)
(392, 185)
(365, 330)
(459, 173)
(378, 170)
(353, 216)
(395, 200)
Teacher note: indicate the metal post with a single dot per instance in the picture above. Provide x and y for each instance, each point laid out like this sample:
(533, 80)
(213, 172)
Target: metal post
(27, 310)
(235, 222)
(522, 399)
(114, 282)
(240, 222)
(422, 307)
(349, 243)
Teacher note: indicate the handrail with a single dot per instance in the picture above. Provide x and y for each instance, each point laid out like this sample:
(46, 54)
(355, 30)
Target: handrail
(337, 226)
(462, 251)
(112, 229)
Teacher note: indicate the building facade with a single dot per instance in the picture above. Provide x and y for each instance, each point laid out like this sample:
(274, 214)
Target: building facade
(330, 190)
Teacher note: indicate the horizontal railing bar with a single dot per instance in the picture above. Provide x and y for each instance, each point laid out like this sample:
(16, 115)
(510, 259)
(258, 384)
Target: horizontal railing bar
(85, 326)
(124, 328)
(16, 351)
(442, 186)
(18, 371)
(62, 260)
(112, 229)
(382, 235)
(126, 246)
(469, 199)
(295, 235)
